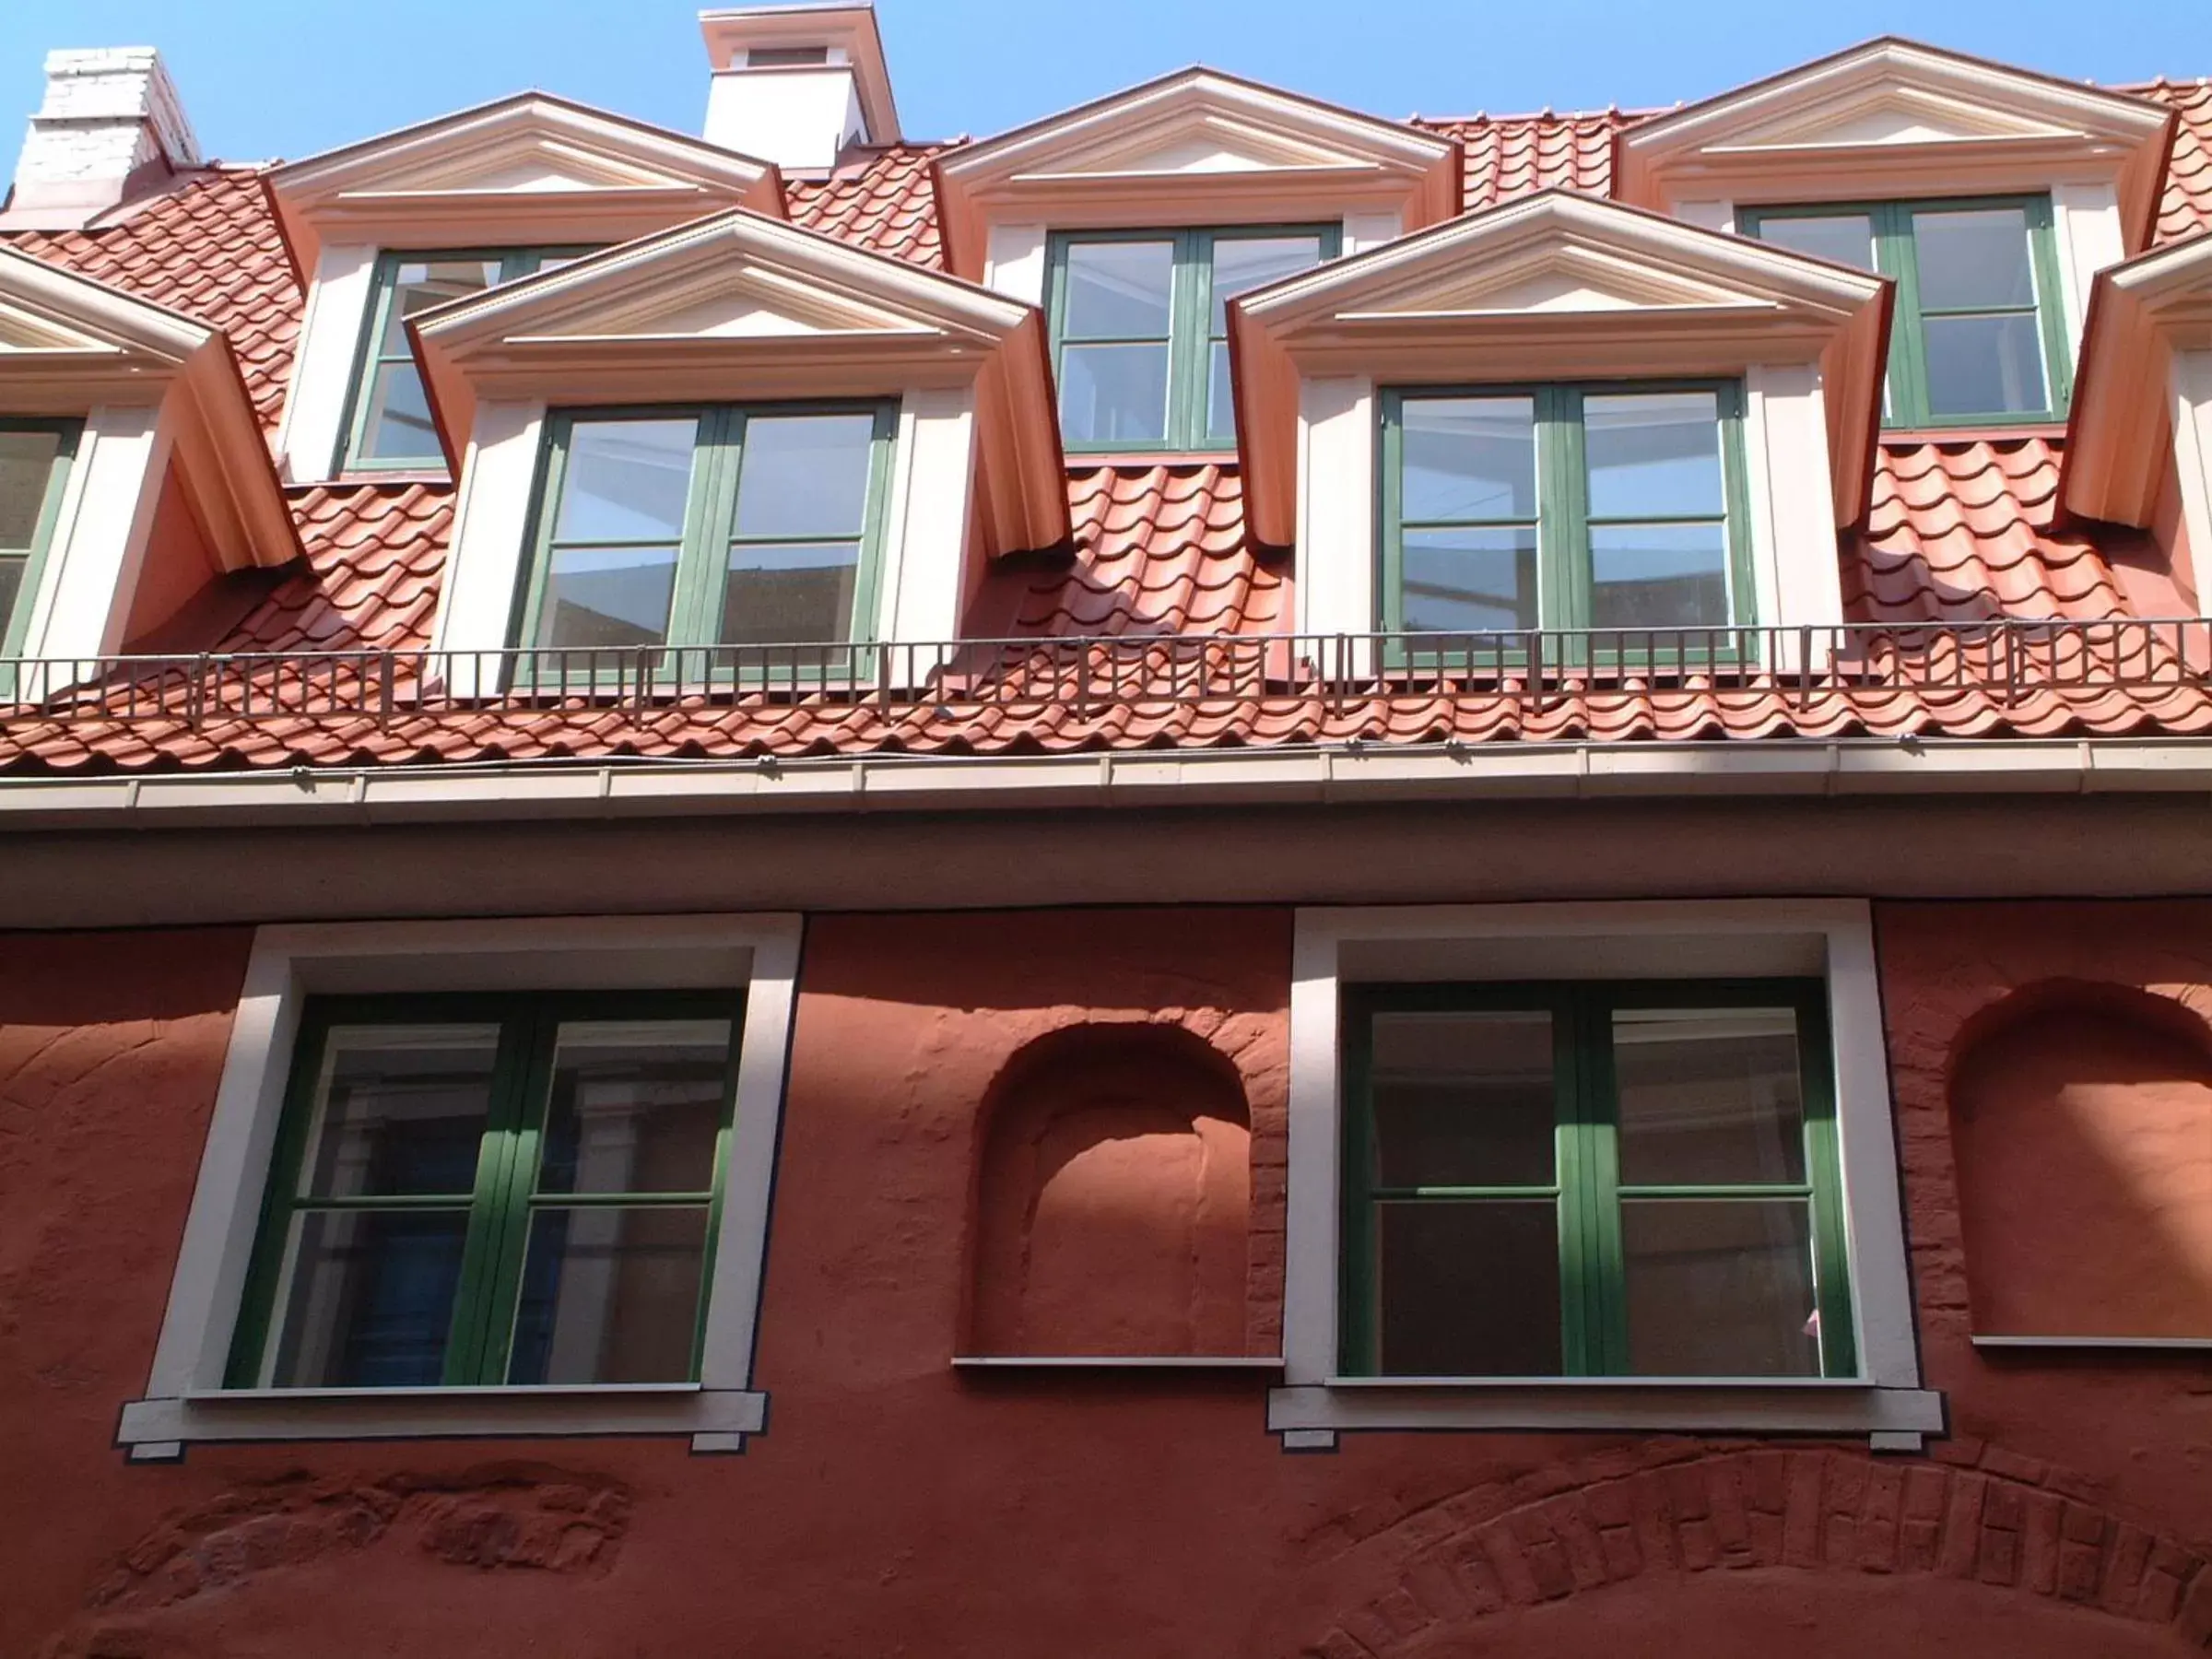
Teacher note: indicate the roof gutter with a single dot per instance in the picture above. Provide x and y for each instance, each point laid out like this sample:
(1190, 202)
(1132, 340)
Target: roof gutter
(1345, 774)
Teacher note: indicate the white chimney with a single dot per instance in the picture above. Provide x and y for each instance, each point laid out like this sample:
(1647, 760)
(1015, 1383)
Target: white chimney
(795, 84)
(112, 128)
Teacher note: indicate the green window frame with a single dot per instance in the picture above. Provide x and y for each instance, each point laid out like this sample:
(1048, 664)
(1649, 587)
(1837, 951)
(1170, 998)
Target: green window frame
(23, 555)
(710, 529)
(1586, 1188)
(1907, 402)
(1191, 340)
(507, 1189)
(373, 365)
(1562, 519)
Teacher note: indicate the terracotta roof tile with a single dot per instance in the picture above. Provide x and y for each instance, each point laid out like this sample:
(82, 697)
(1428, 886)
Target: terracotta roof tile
(211, 250)
(374, 554)
(1963, 532)
(2186, 207)
(1511, 156)
(886, 201)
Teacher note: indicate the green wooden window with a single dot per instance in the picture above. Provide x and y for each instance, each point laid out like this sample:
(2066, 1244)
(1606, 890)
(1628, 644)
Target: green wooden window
(34, 468)
(1979, 333)
(388, 422)
(1564, 507)
(1140, 328)
(500, 1189)
(1591, 1179)
(710, 526)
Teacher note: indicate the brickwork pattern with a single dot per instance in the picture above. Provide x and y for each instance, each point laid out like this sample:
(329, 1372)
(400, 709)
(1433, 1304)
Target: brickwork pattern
(1971, 1511)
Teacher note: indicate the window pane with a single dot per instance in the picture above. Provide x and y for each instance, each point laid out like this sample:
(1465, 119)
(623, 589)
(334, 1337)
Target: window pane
(636, 1105)
(1119, 290)
(780, 595)
(607, 596)
(1974, 258)
(804, 475)
(1708, 1094)
(1220, 394)
(1463, 1098)
(1654, 455)
(420, 284)
(1720, 1287)
(1114, 393)
(1244, 263)
(369, 1297)
(1984, 365)
(399, 1110)
(26, 462)
(1658, 576)
(1468, 458)
(1469, 1289)
(609, 1295)
(1469, 581)
(399, 426)
(626, 480)
(1846, 238)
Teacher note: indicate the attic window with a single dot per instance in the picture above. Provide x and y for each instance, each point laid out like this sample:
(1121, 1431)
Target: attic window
(787, 58)
(1978, 334)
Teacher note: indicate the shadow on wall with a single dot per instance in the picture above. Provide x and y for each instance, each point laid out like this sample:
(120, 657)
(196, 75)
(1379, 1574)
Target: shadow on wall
(2081, 1116)
(1112, 1198)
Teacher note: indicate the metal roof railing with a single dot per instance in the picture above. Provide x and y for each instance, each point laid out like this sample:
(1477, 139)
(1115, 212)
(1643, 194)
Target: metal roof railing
(2004, 661)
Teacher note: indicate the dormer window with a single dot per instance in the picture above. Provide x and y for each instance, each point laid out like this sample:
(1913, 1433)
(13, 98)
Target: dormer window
(390, 423)
(1979, 333)
(1563, 506)
(34, 464)
(1140, 333)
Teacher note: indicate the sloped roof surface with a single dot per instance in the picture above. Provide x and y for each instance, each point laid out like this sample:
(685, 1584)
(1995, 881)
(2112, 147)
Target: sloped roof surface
(1959, 532)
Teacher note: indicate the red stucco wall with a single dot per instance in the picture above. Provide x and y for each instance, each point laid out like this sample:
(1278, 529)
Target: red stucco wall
(894, 1507)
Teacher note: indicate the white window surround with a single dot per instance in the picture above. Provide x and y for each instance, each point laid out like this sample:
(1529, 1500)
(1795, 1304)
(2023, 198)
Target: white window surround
(1194, 149)
(740, 308)
(530, 170)
(1831, 938)
(186, 1401)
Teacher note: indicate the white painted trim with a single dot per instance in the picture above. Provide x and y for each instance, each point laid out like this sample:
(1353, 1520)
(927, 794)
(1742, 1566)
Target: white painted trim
(291, 964)
(2189, 393)
(1013, 261)
(491, 522)
(1335, 561)
(2085, 221)
(355, 796)
(1164, 1362)
(924, 578)
(313, 424)
(1633, 940)
(100, 540)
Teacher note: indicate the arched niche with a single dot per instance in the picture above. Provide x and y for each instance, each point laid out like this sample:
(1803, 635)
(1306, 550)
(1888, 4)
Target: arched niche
(2081, 1116)
(1112, 1198)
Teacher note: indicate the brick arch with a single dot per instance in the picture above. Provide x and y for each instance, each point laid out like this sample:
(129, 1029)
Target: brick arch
(1982, 1515)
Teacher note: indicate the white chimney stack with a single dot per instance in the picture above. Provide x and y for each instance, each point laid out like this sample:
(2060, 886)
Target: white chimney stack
(112, 128)
(798, 85)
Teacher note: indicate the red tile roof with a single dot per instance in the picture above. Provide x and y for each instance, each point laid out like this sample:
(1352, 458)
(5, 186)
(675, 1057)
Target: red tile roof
(886, 201)
(211, 250)
(2186, 209)
(1959, 532)
(1510, 155)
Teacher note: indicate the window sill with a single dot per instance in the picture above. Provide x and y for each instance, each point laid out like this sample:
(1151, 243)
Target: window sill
(717, 1419)
(2117, 1345)
(1267, 1364)
(1893, 1418)
(1977, 429)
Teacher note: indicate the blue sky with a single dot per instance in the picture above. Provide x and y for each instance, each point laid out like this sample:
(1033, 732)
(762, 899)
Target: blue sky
(289, 77)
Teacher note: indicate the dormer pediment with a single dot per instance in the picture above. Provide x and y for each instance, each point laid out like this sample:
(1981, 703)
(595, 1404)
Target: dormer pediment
(1555, 287)
(1893, 118)
(743, 308)
(1191, 148)
(531, 168)
(2147, 318)
(67, 343)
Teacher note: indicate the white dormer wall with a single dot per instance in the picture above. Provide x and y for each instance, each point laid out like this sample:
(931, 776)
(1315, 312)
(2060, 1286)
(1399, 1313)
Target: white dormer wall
(339, 293)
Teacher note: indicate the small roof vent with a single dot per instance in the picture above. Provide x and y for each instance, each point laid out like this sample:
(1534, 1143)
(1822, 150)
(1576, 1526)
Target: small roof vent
(111, 129)
(798, 85)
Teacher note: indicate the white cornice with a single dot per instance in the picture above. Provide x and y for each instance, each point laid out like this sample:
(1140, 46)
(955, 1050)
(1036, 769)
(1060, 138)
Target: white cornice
(2120, 430)
(1893, 117)
(1554, 285)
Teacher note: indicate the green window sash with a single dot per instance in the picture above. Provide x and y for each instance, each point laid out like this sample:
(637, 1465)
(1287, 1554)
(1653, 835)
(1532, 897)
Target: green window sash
(686, 537)
(1979, 334)
(1634, 1148)
(35, 458)
(493, 1189)
(1564, 507)
(1139, 332)
(387, 426)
